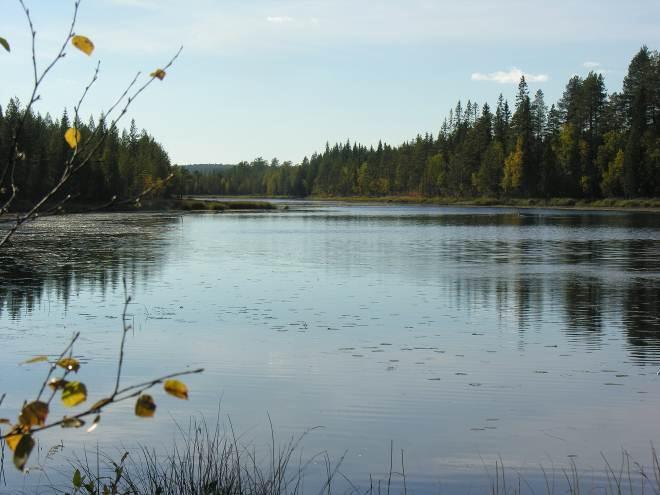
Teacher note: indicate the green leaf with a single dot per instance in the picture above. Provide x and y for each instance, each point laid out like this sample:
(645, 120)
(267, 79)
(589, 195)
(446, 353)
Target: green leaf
(77, 479)
(5, 44)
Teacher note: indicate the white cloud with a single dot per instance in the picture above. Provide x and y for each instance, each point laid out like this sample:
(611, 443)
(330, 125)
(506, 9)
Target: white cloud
(143, 4)
(279, 19)
(509, 77)
(595, 67)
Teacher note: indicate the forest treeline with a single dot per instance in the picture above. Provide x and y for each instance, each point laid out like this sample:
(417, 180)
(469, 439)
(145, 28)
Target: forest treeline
(588, 145)
(125, 164)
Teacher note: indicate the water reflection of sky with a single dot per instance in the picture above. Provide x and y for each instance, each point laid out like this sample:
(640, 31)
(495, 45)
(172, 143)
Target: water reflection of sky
(460, 334)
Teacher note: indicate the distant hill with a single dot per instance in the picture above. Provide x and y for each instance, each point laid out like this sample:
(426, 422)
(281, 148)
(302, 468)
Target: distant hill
(207, 168)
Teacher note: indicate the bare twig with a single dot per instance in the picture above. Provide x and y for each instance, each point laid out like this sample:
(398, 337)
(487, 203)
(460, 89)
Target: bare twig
(125, 329)
(56, 208)
(389, 477)
(76, 108)
(103, 206)
(14, 153)
(136, 199)
(146, 385)
(403, 475)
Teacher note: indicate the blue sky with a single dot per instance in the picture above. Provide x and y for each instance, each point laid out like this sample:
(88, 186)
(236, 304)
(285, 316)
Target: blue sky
(281, 77)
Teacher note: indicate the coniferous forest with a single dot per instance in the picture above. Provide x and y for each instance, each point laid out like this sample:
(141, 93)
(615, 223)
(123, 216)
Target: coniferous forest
(590, 145)
(125, 164)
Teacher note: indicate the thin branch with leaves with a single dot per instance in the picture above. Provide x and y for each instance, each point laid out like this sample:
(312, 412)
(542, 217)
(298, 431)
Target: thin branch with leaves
(88, 148)
(85, 149)
(14, 153)
(34, 415)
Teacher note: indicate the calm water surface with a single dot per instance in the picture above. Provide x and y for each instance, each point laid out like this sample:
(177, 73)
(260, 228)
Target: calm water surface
(463, 336)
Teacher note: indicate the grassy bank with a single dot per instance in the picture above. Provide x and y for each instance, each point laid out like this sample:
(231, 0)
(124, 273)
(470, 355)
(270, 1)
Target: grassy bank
(245, 203)
(645, 204)
(211, 461)
(608, 203)
(213, 205)
(148, 204)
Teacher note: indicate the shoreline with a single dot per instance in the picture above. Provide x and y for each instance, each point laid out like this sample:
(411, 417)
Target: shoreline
(153, 205)
(644, 205)
(219, 204)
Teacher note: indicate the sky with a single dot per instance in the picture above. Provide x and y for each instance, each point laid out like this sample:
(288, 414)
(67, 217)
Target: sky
(280, 78)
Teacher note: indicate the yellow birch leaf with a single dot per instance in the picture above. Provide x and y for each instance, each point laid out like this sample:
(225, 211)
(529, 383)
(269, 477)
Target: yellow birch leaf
(33, 414)
(36, 359)
(12, 440)
(83, 43)
(22, 451)
(74, 393)
(5, 44)
(72, 137)
(159, 74)
(145, 407)
(176, 388)
(72, 422)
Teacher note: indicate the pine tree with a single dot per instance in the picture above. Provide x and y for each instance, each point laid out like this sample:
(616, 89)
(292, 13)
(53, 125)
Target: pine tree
(633, 155)
(522, 132)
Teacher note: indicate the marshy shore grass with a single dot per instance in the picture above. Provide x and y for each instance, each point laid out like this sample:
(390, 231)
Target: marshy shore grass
(214, 205)
(634, 204)
(642, 204)
(156, 205)
(211, 461)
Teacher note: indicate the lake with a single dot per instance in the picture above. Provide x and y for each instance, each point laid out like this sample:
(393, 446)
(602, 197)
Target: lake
(462, 336)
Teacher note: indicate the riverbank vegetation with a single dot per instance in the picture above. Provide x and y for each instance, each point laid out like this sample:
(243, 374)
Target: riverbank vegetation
(211, 461)
(213, 205)
(590, 145)
(572, 203)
